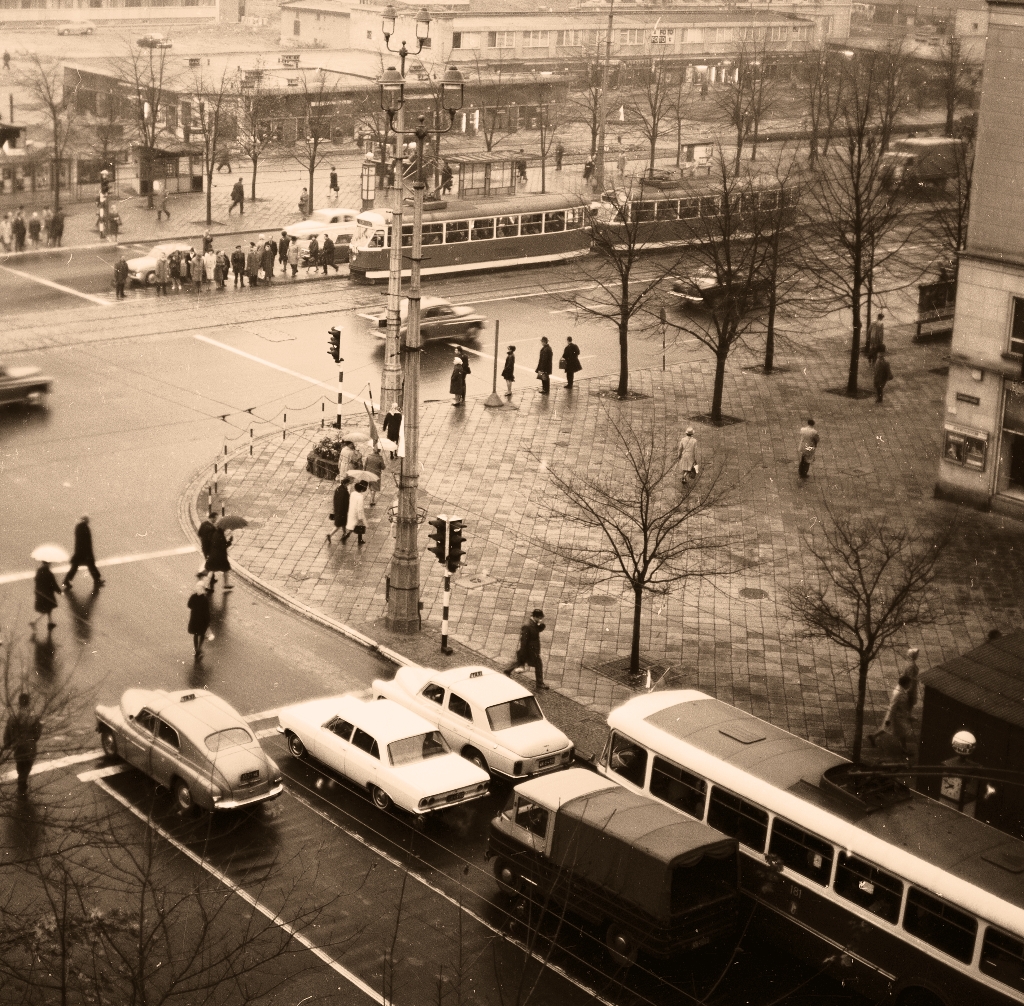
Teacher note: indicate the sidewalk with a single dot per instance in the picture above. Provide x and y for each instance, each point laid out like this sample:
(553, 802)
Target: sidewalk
(726, 637)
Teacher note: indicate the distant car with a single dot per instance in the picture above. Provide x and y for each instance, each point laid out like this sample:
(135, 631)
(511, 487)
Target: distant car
(76, 28)
(439, 319)
(154, 41)
(487, 717)
(339, 223)
(23, 384)
(704, 288)
(397, 756)
(194, 744)
(143, 269)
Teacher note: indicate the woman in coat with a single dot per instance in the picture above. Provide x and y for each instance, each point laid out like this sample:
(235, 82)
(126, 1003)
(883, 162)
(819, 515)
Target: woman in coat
(341, 501)
(217, 560)
(47, 590)
(356, 520)
(293, 257)
(162, 273)
(199, 612)
(457, 385)
(508, 372)
(196, 271)
(267, 261)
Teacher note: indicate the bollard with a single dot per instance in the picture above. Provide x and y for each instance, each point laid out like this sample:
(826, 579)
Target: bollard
(209, 501)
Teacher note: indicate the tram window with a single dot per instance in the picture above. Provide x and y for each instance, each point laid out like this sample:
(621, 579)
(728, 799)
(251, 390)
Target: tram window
(433, 234)
(865, 885)
(406, 235)
(710, 206)
(554, 221)
(628, 760)
(573, 218)
(674, 785)
(802, 852)
(644, 210)
(483, 230)
(689, 208)
(736, 817)
(377, 241)
(1002, 957)
(533, 223)
(939, 924)
(768, 200)
(456, 230)
(668, 209)
(508, 227)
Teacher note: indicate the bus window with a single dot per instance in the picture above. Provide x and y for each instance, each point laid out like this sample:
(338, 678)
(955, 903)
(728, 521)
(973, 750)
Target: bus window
(456, 230)
(1002, 957)
(939, 924)
(709, 206)
(533, 223)
(554, 221)
(802, 852)
(768, 200)
(483, 230)
(678, 787)
(433, 234)
(508, 227)
(865, 885)
(668, 209)
(737, 818)
(628, 760)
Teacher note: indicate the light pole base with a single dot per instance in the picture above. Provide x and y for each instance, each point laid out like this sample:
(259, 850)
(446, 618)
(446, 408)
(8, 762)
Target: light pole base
(494, 401)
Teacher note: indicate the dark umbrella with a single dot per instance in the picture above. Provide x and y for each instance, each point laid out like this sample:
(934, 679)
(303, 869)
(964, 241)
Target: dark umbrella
(232, 522)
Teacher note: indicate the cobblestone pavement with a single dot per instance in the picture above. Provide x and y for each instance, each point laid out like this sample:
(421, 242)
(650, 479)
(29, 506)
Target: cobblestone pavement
(729, 636)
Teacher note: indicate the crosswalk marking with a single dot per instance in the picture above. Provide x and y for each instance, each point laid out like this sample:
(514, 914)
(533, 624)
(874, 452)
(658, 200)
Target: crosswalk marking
(117, 560)
(92, 298)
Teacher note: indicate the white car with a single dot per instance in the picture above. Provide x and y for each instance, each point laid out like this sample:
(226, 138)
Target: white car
(76, 28)
(143, 269)
(487, 717)
(338, 222)
(398, 756)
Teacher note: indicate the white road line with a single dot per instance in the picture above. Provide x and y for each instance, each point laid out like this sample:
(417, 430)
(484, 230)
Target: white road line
(57, 286)
(103, 772)
(246, 897)
(527, 296)
(284, 370)
(56, 763)
(117, 560)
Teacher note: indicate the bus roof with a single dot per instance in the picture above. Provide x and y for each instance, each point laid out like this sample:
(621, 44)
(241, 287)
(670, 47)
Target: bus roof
(458, 209)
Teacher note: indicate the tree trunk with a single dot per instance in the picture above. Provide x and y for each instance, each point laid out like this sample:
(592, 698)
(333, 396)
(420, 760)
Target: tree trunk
(716, 398)
(950, 113)
(209, 194)
(56, 179)
(148, 156)
(769, 342)
(543, 168)
(851, 383)
(252, 193)
(634, 646)
(654, 144)
(858, 722)
(312, 171)
(739, 150)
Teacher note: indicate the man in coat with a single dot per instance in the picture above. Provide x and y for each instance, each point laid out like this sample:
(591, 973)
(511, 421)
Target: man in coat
(206, 531)
(327, 254)
(544, 366)
(883, 372)
(238, 266)
(282, 249)
(808, 445)
(21, 733)
(46, 589)
(120, 276)
(83, 555)
(528, 654)
(252, 264)
(508, 372)
(687, 454)
(19, 231)
(237, 197)
(570, 361)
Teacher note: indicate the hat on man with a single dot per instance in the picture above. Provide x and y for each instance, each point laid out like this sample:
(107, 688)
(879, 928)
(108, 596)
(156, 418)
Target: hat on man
(537, 613)
(511, 349)
(689, 431)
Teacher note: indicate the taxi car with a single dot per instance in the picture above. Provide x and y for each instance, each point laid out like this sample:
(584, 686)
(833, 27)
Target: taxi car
(194, 744)
(23, 384)
(338, 222)
(142, 269)
(487, 717)
(439, 319)
(397, 756)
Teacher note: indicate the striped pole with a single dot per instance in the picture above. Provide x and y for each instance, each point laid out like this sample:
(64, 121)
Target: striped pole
(341, 378)
(444, 614)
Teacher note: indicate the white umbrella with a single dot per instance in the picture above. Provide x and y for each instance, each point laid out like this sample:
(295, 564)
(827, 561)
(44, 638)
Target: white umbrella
(50, 553)
(360, 476)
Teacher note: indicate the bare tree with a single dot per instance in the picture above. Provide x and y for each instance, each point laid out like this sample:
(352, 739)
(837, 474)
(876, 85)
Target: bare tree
(959, 78)
(320, 99)
(585, 99)
(491, 79)
(824, 77)
(748, 93)
(651, 102)
(952, 206)
(548, 119)
(891, 70)
(874, 582)
(258, 108)
(209, 97)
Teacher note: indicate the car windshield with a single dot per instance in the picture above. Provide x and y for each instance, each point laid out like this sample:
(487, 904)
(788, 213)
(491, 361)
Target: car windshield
(514, 713)
(419, 748)
(231, 738)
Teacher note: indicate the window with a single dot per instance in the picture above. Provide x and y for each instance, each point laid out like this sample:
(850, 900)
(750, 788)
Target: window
(433, 234)
(339, 727)
(406, 235)
(532, 223)
(535, 39)
(365, 742)
(689, 209)
(668, 209)
(643, 210)
(457, 230)
(508, 227)
(943, 926)
(230, 738)
(146, 721)
(532, 818)
(674, 785)
(1002, 957)
(574, 218)
(419, 748)
(168, 734)
(554, 221)
(465, 40)
(296, 27)
(631, 36)
(663, 36)
(514, 713)
(710, 206)
(627, 759)
(570, 38)
(460, 707)
(802, 852)
(426, 43)
(1017, 326)
(483, 230)
(501, 39)
(736, 817)
(871, 888)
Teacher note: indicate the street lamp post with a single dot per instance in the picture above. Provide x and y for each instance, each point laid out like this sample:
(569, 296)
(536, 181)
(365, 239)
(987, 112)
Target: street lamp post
(602, 104)
(404, 592)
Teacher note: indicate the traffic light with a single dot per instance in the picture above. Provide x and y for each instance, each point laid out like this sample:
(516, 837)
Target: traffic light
(440, 537)
(334, 344)
(456, 544)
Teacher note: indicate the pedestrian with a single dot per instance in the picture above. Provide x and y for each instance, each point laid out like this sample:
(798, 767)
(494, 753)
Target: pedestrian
(897, 720)
(273, 246)
(195, 268)
(912, 672)
(199, 612)
(47, 589)
(521, 165)
(207, 242)
(173, 267)
(620, 166)
(687, 454)
(559, 154)
(224, 159)
(447, 178)
(47, 225)
(217, 560)
(313, 253)
(393, 432)
(222, 270)
(883, 372)
(375, 465)
(113, 221)
(876, 337)
(282, 250)
(161, 201)
(237, 198)
(457, 384)
(347, 455)
(508, 372)
(7, 60)
(340, 503)
(334, 190)
(588, 169)
(528, 654)
(267, 262)
(252, 265)
(808, 445)
(293, 257)
(83, 554)
(209, 265)
(57, 227)
(461, 353)
(19, 230)
(21, 734)
(303, 201)
(544, 366)
(238, 266)
(120, 277)
(570, 361)
(356, 513)
(161, 274)
(7, 233)
(327, 255)
(34, 227)
(205, 531)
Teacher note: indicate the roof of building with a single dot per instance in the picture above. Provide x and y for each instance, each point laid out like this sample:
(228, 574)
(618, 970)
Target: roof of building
(328, 6)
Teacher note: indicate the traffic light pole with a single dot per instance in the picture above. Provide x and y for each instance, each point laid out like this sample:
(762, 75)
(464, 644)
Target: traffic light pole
(341, 379)
(445, 648)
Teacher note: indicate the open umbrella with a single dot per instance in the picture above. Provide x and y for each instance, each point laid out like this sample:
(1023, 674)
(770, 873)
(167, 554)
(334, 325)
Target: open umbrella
(50, 553)
(360, 476)
(232, 522)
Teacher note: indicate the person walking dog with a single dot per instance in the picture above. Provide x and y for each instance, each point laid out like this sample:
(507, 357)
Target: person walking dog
(528, 654)
(544, 366)
(570, 361)
(83, 554)
(808, 445)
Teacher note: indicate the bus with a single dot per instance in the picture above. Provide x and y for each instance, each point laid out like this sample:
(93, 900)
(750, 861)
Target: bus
(895, 893)
(476, 235)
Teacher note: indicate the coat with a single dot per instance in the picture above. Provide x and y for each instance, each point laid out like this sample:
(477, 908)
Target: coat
(199, 608)
(252, 263)
(883, 372)
(544, 363)
(162, 271)
(808, 443)
(293, 253)
(120, 272)
(282, 248)
(267, 261)
(571, 358)
(313, 251)
(238, 193)
(21, 733)
(688, 453)
(83, 544)
(341, 498)
(528, 654)
(195, 268)
(174, 264)
(217, 560)
(209, 266)
(356, 520)
(206, 532)
(457, 385)
(47, 590)
(508, 373)
(897, 718)
(327, 256)
(238, 261)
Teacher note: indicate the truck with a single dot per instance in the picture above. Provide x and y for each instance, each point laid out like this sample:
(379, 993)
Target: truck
(645, 877)
(922, 161)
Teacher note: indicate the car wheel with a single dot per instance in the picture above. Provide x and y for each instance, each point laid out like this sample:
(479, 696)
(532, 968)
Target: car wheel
(109, 743)
(380, 799)
(471, 754)
(295, 747)
(150, 279)
(621, 945)
(507, 877)
(183, 796)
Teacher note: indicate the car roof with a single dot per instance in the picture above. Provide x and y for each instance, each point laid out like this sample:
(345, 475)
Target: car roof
(386, 720)
(482, 685)
(326, 214)
(559, 788)
(193, 711)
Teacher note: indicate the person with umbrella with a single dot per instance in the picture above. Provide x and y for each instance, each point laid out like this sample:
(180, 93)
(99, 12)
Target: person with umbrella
(375, 465)
(340, 512)
(199, 612)
(356, 520)
(217, 560)
(46, 586)
(83, 554)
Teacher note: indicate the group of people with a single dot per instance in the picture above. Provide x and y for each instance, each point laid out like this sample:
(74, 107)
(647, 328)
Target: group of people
(349, 499)
(215, 541)
(16, 230)
(569, 363)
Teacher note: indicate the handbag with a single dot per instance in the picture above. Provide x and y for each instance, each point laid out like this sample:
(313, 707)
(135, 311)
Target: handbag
(561, 364)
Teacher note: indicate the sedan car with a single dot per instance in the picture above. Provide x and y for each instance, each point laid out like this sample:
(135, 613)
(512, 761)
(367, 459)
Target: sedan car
(154, 41)
(76, 28)
(396, 755)
(143, 268)
(487, 717)
(704, 288)
(337, 222)
(23, 384)
(439, 319)
(194, 744)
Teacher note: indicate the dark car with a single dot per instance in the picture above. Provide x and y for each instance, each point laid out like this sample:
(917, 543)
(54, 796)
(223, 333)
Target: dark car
(23, 384)
(154, 41)
(703, 288)
(439, 319)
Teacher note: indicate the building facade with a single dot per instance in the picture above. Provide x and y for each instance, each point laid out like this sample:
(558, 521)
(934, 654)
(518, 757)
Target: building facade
(114, 12)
